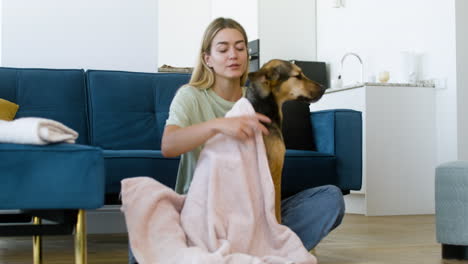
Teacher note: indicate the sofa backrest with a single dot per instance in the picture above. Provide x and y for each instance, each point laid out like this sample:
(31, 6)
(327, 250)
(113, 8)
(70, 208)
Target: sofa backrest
(128, 110)
(49, 93)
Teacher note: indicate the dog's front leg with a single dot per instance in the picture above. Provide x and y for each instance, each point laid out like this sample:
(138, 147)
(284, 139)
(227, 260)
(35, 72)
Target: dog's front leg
(275, 152)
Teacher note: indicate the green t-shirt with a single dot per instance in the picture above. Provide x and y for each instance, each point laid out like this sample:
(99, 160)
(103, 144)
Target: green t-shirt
(191, 106)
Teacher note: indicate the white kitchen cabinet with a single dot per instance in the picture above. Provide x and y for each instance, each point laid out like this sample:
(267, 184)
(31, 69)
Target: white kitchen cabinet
(399, 147)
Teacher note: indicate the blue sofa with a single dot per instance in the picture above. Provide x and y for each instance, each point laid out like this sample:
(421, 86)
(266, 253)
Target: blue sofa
(127, 112)
(120, 117)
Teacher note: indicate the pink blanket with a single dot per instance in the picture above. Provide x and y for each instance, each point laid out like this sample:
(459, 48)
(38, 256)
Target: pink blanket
(226, 217)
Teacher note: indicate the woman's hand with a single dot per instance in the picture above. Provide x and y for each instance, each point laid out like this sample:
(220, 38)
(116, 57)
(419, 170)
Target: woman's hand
(242, 127)
(177, 140)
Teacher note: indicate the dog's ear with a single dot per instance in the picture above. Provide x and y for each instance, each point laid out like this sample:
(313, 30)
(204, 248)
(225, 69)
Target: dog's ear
(295, 72)
(259, 81)
(257, 77)
(273, 74)
(263, 76)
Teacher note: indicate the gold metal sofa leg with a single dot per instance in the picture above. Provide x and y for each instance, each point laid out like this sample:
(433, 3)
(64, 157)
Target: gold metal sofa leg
(81, 253)
(37, 244)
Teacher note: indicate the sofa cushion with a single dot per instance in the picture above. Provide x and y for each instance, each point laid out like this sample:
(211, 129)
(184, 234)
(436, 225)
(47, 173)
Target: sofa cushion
(55, 177)
(7, 110)
(305, 169)
(128, 110)
(59, 95)
(121, 164)
(339, 133)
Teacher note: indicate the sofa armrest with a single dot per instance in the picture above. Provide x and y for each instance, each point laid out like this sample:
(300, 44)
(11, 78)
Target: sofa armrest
(55, 176)
(339, 132)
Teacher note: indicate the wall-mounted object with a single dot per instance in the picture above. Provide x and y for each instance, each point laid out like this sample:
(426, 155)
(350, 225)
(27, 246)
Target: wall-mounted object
(337, 3)
(254, 52)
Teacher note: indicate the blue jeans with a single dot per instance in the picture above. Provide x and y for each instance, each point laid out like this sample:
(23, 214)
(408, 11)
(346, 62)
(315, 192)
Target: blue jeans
(311, 214)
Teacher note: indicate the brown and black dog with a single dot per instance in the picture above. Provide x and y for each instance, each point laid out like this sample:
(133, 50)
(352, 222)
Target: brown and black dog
(276, 82)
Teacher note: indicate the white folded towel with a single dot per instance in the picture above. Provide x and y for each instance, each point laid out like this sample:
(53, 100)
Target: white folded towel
(36, 131)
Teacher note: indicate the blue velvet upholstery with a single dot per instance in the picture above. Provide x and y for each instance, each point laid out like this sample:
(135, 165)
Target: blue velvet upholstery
(60, 176)
(122, 164)
(55, 182)
(128, 110)
(124, 113)
(339, 132)
(120, 116)
(307, 168)
(63, 176)
(55, 94)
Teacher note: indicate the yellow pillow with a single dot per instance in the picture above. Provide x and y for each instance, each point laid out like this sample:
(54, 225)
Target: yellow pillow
(7, 110)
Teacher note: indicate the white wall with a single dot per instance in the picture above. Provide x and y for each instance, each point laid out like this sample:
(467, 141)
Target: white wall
(462, 76)
(181, 24)
(379, 31)
(287, 29)
(244, 11)
(105, 34)
(181, 29)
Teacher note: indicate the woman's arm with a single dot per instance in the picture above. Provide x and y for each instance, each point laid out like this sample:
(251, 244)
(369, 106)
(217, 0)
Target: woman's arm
(177, 140)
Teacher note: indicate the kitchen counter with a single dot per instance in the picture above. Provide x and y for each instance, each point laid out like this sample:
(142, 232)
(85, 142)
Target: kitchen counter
(399, 145)
(427, 84)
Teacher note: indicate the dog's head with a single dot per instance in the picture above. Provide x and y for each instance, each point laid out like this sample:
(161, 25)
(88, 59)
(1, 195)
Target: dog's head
(285, 81)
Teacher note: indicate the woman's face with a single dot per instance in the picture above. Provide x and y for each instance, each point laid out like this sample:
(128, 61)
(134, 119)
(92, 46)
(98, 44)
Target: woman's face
(228, 56)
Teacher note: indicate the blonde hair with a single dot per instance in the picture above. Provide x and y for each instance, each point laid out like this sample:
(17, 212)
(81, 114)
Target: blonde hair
(203, 76)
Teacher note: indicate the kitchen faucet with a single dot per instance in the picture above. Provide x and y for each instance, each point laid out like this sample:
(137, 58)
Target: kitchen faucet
(360, 60)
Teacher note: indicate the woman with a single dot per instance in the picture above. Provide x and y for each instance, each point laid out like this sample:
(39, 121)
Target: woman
(197, 114)
(197, 111)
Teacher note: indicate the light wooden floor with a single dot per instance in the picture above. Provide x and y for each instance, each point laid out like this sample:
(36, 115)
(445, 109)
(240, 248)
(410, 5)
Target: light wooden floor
(360, 239)
(383, 239)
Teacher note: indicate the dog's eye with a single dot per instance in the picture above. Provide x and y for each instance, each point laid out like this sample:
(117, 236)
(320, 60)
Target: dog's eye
(298, 76)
